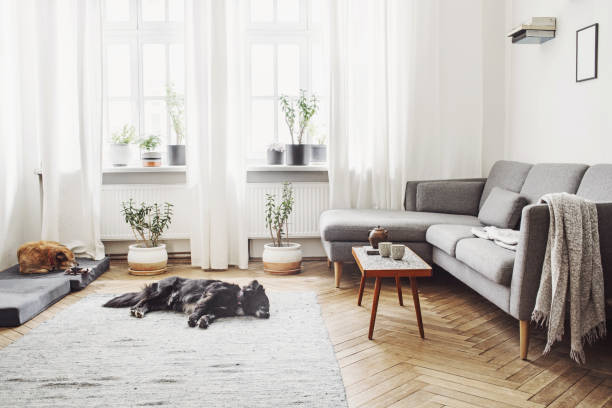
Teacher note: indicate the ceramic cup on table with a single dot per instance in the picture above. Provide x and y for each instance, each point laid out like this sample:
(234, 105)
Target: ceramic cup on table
(398, 251)
(385, 249)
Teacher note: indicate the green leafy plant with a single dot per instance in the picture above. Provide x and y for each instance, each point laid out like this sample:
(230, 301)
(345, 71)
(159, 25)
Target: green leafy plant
(126, 135)
(176, 109)
(306, 107)
(149, 143)
(277, 215)
(148, 222)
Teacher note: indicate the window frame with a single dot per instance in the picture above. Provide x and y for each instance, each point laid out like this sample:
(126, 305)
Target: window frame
(136, 33)
(302, 33)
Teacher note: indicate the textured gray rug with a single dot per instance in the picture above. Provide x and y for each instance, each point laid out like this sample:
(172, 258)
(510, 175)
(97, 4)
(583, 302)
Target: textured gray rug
(93, 356)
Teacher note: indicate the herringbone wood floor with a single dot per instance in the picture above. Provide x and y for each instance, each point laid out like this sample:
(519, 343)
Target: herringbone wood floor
(469, 357)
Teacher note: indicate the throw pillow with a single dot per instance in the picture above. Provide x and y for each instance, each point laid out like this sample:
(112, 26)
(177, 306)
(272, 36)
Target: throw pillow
(502, 208)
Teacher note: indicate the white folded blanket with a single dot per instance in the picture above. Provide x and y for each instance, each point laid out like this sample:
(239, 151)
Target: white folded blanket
(505, 238)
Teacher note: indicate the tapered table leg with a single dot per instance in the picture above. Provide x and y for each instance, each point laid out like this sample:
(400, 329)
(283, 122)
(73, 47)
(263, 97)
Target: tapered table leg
(374, 307)
(361, 287)
(398, 285)
(417, 305)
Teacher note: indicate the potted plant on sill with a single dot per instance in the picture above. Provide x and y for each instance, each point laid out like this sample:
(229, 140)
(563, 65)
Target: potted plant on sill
(298, 154)
(176, 109)
(120, 146)
(275, 154)
(281, 257)
(148, 223)
(150, 157)
(318, 150)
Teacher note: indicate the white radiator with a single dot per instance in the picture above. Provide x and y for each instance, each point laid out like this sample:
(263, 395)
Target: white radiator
(113, 224)
(310, 200)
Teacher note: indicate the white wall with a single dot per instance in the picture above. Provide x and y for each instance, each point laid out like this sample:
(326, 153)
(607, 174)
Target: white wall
(551, 117)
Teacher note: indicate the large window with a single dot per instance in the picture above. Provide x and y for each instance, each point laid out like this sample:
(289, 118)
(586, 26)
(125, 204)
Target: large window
(285, 55)
(143, 60)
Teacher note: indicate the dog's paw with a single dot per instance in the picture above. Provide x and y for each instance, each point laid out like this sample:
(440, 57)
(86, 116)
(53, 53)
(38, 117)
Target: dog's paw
(192, 321)
(203, 322)
(133, 312)
(137, 313)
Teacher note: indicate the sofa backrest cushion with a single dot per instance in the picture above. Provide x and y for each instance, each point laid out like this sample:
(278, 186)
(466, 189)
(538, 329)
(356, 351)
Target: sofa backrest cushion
(508, 175)
(596, 184)
(552, 178)
(502, 209)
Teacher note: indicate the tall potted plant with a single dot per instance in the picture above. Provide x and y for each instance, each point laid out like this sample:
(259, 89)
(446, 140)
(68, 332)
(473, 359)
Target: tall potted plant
(148, 223)
(176, 110)
(281, 257)
(120, 146)
(302, 109)
(150, 156)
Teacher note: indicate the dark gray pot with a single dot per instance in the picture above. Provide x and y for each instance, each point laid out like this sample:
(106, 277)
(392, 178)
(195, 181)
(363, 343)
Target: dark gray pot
(176, 155)
(318, 153)
(297, 154)
(274, 157)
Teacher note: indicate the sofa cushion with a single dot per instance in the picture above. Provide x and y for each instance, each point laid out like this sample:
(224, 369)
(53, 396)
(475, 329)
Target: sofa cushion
(596, 184)
(508, 175)
(446, 236)
(552, 178)
(451, 197)
(485, 257)
(502, 208)
(403, 226)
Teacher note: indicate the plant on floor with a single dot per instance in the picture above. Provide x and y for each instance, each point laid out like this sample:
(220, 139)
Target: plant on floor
(148, 222)
(176, 108)
(307, 106)
(126, 135)
(149, 143)
(277, 215)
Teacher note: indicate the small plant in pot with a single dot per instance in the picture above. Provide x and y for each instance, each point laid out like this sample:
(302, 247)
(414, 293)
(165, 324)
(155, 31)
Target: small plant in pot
(275, 153)
(281, 257)
(120, 146)
(318, 150)
(176, 110)
(149, 155)
(148, 223)
(302, 108)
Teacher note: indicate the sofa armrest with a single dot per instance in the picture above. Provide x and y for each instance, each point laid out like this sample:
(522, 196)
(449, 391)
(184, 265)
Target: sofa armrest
(410, 194)
(529, 260)
(532, 249)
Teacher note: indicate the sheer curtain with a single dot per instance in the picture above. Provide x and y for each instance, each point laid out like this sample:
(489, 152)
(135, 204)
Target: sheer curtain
(214, 98)
(386, 102)
(58, 58)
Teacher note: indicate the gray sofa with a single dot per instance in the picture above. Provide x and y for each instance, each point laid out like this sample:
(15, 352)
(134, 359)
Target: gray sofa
(438, 217)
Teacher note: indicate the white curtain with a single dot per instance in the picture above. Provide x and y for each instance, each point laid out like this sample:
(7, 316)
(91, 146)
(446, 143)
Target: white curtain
(58, 58)
(214, 101)
(386, 92)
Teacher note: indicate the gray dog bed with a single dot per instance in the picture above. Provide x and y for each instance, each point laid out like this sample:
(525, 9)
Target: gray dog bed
(23, 296)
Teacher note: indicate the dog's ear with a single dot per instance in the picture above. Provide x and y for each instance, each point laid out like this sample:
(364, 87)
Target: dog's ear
(61, 257)
(252, 286)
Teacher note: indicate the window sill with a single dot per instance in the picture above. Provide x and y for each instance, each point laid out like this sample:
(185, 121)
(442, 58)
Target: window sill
(140, 169)
(282, 167)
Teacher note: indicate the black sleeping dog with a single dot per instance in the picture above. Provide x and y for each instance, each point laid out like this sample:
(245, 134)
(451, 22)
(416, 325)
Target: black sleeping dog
(203, 300)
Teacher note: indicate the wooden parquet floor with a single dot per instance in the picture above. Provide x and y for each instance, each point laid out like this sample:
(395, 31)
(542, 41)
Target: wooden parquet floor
(469, 357)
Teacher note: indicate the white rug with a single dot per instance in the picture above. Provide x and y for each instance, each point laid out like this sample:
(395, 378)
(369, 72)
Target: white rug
(88, 355)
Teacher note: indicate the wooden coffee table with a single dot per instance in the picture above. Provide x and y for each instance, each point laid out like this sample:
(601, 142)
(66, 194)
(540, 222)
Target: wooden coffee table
(375, 266)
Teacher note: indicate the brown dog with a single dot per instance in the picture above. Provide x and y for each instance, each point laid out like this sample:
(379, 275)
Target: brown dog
(44, 256)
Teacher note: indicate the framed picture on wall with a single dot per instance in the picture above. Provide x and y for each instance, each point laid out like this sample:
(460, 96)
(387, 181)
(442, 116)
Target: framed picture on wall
(586, 52)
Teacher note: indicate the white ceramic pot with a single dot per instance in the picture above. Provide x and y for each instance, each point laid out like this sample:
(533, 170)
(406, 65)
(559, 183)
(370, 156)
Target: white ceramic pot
(120, 154)
(284, 260)
(147, 261)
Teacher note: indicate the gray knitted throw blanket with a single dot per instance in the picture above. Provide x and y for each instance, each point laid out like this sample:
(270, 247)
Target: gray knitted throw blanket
(572, 275)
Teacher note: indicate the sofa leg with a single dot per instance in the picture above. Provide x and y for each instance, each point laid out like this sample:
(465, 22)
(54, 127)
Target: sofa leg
(524, 337)
(329, 263)
(337, 273)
